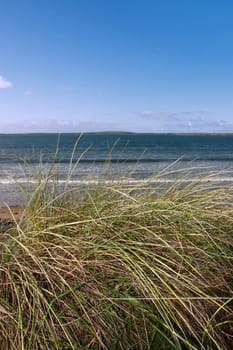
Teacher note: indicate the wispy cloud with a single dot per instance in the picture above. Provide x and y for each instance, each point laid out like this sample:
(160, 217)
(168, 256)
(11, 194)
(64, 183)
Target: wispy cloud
(4, 84)
(184, 121)
(27, 92)
(162, 115)
(54, 125)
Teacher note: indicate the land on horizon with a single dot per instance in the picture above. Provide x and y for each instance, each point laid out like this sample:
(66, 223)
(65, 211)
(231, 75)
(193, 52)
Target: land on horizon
(119, 132)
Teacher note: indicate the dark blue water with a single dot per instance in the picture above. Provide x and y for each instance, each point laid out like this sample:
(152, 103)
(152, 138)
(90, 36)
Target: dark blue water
(136, 156)
(119, 146)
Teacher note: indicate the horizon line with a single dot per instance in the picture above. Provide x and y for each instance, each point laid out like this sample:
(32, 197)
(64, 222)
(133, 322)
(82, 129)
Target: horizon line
(118, 132)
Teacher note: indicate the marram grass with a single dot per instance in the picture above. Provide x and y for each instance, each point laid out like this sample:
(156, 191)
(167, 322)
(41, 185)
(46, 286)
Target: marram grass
(119, 267)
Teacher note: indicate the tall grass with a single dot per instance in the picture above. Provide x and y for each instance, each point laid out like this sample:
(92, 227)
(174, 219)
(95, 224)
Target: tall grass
(119, 267)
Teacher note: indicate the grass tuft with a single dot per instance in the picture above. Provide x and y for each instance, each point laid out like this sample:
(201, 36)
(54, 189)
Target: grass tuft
(119, 266)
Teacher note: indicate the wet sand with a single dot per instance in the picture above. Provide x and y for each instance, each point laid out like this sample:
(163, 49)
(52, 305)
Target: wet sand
(6, 218)
(5, 213)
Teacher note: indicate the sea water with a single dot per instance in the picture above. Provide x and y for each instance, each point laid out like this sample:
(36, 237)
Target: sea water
(111, 156)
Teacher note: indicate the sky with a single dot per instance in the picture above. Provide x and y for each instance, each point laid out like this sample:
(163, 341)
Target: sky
(128, 65)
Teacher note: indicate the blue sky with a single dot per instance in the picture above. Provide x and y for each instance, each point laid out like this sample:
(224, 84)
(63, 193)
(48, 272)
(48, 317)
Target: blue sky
(136, 65)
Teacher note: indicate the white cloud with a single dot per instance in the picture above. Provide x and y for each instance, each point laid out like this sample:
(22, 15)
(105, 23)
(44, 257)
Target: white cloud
(4, 84)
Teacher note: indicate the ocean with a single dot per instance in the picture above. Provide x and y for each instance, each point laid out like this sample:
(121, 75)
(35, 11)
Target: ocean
(128, 156)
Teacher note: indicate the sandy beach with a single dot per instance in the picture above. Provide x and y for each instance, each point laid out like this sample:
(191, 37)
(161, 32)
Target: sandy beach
(5, 213)
(6, 216)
